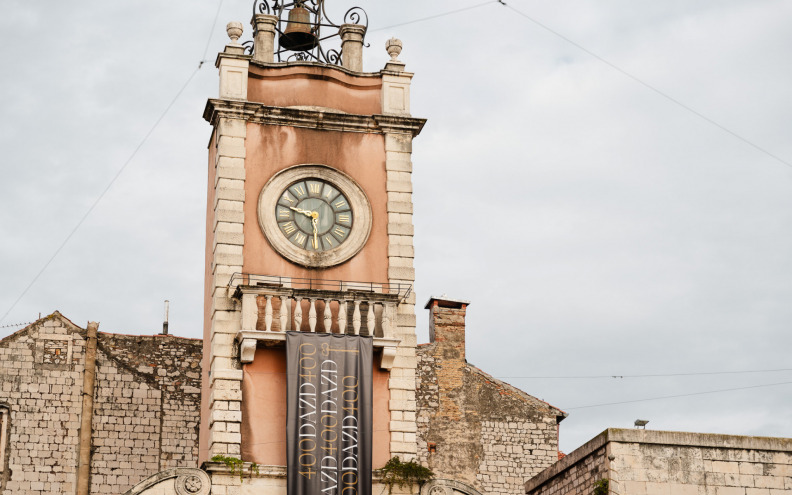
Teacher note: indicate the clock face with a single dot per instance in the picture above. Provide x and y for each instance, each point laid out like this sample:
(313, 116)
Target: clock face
(314, 215)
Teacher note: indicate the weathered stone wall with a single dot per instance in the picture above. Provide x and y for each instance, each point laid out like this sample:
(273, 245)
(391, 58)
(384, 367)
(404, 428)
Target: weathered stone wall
(643, 462)
(651, 462)
(41, 387)
(145, 415)
(146, 409)
(472, 427)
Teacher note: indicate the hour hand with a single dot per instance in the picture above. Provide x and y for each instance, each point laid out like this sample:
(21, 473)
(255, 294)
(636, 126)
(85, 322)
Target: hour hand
(304, 212)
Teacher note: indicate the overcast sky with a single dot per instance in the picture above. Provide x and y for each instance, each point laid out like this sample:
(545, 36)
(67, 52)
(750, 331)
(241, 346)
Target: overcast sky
(597, 227)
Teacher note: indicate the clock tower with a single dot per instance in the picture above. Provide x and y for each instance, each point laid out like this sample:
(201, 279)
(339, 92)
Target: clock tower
(309, 229)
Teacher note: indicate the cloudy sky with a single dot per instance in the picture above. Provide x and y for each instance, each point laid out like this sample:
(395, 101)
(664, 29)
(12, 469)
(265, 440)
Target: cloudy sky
(598, 227)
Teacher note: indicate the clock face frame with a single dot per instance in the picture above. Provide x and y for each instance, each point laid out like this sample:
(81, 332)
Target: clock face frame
(314, 215)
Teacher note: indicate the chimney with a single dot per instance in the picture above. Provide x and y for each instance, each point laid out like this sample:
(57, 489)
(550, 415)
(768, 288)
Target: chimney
(165, 321)
(447, 326)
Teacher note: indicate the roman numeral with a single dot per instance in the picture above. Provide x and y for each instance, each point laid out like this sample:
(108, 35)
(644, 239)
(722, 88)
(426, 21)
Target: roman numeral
(300, 238)
(339, 232)
(299, 190)
(343, 218)
(289, 228)
(315, 187)
(282, 213)
(339, 203)
(329, 240)
(287, 198)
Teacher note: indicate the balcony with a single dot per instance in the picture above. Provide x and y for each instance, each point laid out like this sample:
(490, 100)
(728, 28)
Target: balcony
(272, 305)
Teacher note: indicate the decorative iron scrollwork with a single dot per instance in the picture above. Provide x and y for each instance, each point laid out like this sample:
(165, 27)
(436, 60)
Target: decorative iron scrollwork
(354, 16)
(319, 20)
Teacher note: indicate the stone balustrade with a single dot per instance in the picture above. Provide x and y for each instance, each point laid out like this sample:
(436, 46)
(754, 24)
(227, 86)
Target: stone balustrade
(272, 306)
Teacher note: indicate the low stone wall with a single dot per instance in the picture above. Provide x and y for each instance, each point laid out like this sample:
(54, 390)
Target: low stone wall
(576, 473)
(644, 462)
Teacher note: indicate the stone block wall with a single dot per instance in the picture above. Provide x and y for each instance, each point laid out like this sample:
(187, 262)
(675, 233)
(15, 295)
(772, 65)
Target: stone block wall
(146, 417)
(642, 462)
(145, 414)
(575, 474)
(42, 390)
(472, 427)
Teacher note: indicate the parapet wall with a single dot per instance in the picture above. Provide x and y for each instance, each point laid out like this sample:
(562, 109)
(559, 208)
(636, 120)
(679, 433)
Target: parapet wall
(644, 462)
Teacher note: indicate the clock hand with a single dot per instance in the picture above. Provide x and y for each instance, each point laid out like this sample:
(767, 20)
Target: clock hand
(316, 241)
(304, 212)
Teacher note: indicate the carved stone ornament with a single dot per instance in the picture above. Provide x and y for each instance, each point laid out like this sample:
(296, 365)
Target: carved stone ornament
(280, 235)
(234, 31)
(394, 48)
(447, 487)
(193, 483)
(185, 481)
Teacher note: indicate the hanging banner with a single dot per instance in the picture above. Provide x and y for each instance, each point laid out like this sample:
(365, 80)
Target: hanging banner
(329, 414)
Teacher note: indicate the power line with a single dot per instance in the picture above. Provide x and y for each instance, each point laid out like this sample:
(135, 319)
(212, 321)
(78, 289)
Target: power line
(647, 85)
(679, 395)
(451, 12)
(102, 195)
(211, 32)
(117, 175)
(17, 325)
(658, 375)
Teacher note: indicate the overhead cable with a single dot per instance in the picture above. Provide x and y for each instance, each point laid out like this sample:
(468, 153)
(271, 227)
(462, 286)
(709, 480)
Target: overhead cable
(678, 395)
(647, 85)
(114, 179)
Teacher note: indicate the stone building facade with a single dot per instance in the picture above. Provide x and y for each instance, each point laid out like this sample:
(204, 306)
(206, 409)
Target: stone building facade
(642, 462)
(472, 427)
(143, 413)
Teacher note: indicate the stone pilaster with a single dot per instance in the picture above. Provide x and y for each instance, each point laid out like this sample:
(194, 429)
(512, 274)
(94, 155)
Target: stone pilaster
(398, 166)
(225, 374)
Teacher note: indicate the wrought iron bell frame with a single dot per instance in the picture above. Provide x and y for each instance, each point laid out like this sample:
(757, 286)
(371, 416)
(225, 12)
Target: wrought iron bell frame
(319, 20)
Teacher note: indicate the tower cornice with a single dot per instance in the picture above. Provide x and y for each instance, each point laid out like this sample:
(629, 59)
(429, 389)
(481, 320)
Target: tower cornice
(310, 118)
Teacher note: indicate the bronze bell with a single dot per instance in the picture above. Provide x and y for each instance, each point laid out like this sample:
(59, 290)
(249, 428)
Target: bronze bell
(299, 36)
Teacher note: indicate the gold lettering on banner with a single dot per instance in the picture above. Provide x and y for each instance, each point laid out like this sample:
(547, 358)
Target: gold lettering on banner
(326, 350)
(349, 435)
(307, 412)
(328, 423)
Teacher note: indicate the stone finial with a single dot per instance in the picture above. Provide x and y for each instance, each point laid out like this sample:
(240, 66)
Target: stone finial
(394, 47)
(234, 30)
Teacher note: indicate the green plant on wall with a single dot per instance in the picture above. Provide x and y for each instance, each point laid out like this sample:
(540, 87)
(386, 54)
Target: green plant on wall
(396, 472)
(235, 465)
(601, 487)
